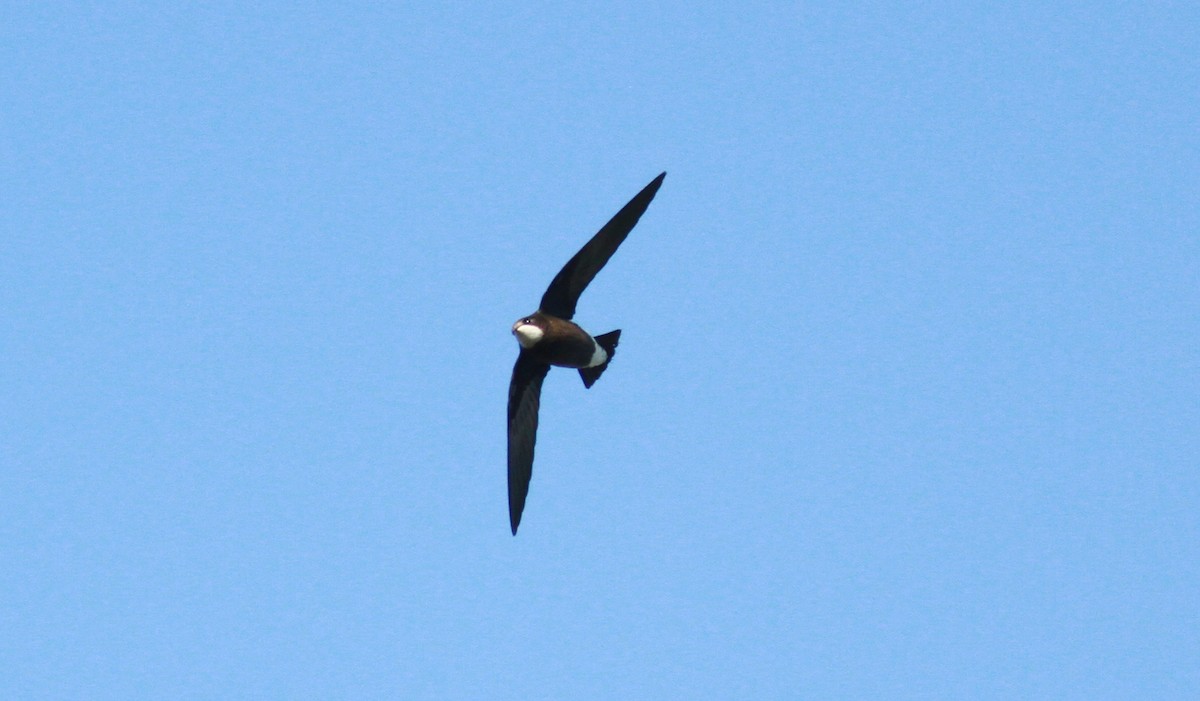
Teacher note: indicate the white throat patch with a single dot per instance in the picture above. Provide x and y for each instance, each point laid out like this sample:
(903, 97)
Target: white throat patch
(528, 335)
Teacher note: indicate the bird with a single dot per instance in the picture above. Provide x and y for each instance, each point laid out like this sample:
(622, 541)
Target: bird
(549, 337)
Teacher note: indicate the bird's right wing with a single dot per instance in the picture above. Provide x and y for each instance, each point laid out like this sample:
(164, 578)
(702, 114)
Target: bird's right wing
(524, 395)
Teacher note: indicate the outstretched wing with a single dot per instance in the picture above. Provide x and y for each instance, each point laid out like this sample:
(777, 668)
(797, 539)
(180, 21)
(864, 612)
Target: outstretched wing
(564, 290)
(524, 394)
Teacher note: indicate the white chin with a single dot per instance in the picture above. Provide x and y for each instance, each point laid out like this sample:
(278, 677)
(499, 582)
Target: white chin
(528, 335)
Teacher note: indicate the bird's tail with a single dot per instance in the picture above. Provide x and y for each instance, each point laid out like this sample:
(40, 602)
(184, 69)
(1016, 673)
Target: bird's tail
(608, 342)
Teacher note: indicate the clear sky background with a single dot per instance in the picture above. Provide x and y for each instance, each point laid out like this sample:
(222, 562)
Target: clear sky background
(907, 404)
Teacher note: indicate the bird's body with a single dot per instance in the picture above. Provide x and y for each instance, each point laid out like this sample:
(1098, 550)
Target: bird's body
(549, 337)
(559, 342)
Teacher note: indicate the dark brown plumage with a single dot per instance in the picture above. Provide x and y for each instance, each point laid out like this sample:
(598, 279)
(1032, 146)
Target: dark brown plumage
(549, 337)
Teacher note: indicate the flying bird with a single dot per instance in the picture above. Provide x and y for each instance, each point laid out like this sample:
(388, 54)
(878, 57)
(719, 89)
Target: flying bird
(549, 337)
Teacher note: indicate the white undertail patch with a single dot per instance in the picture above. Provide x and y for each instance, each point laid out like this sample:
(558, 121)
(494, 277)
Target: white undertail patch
(599, 356)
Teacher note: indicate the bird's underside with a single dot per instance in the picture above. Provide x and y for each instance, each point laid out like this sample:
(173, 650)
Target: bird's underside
(589, 356)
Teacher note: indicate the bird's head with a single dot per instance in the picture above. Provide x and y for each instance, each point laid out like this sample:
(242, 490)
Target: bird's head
(529, 330)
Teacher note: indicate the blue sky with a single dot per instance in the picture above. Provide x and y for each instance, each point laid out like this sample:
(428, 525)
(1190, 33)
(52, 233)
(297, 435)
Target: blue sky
(907, 404)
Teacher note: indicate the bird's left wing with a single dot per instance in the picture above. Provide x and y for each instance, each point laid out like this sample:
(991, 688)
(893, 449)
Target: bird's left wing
(524, 395)
(563, 294)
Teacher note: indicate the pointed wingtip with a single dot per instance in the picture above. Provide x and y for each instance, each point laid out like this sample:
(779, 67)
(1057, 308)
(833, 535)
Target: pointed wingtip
(649, 191)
